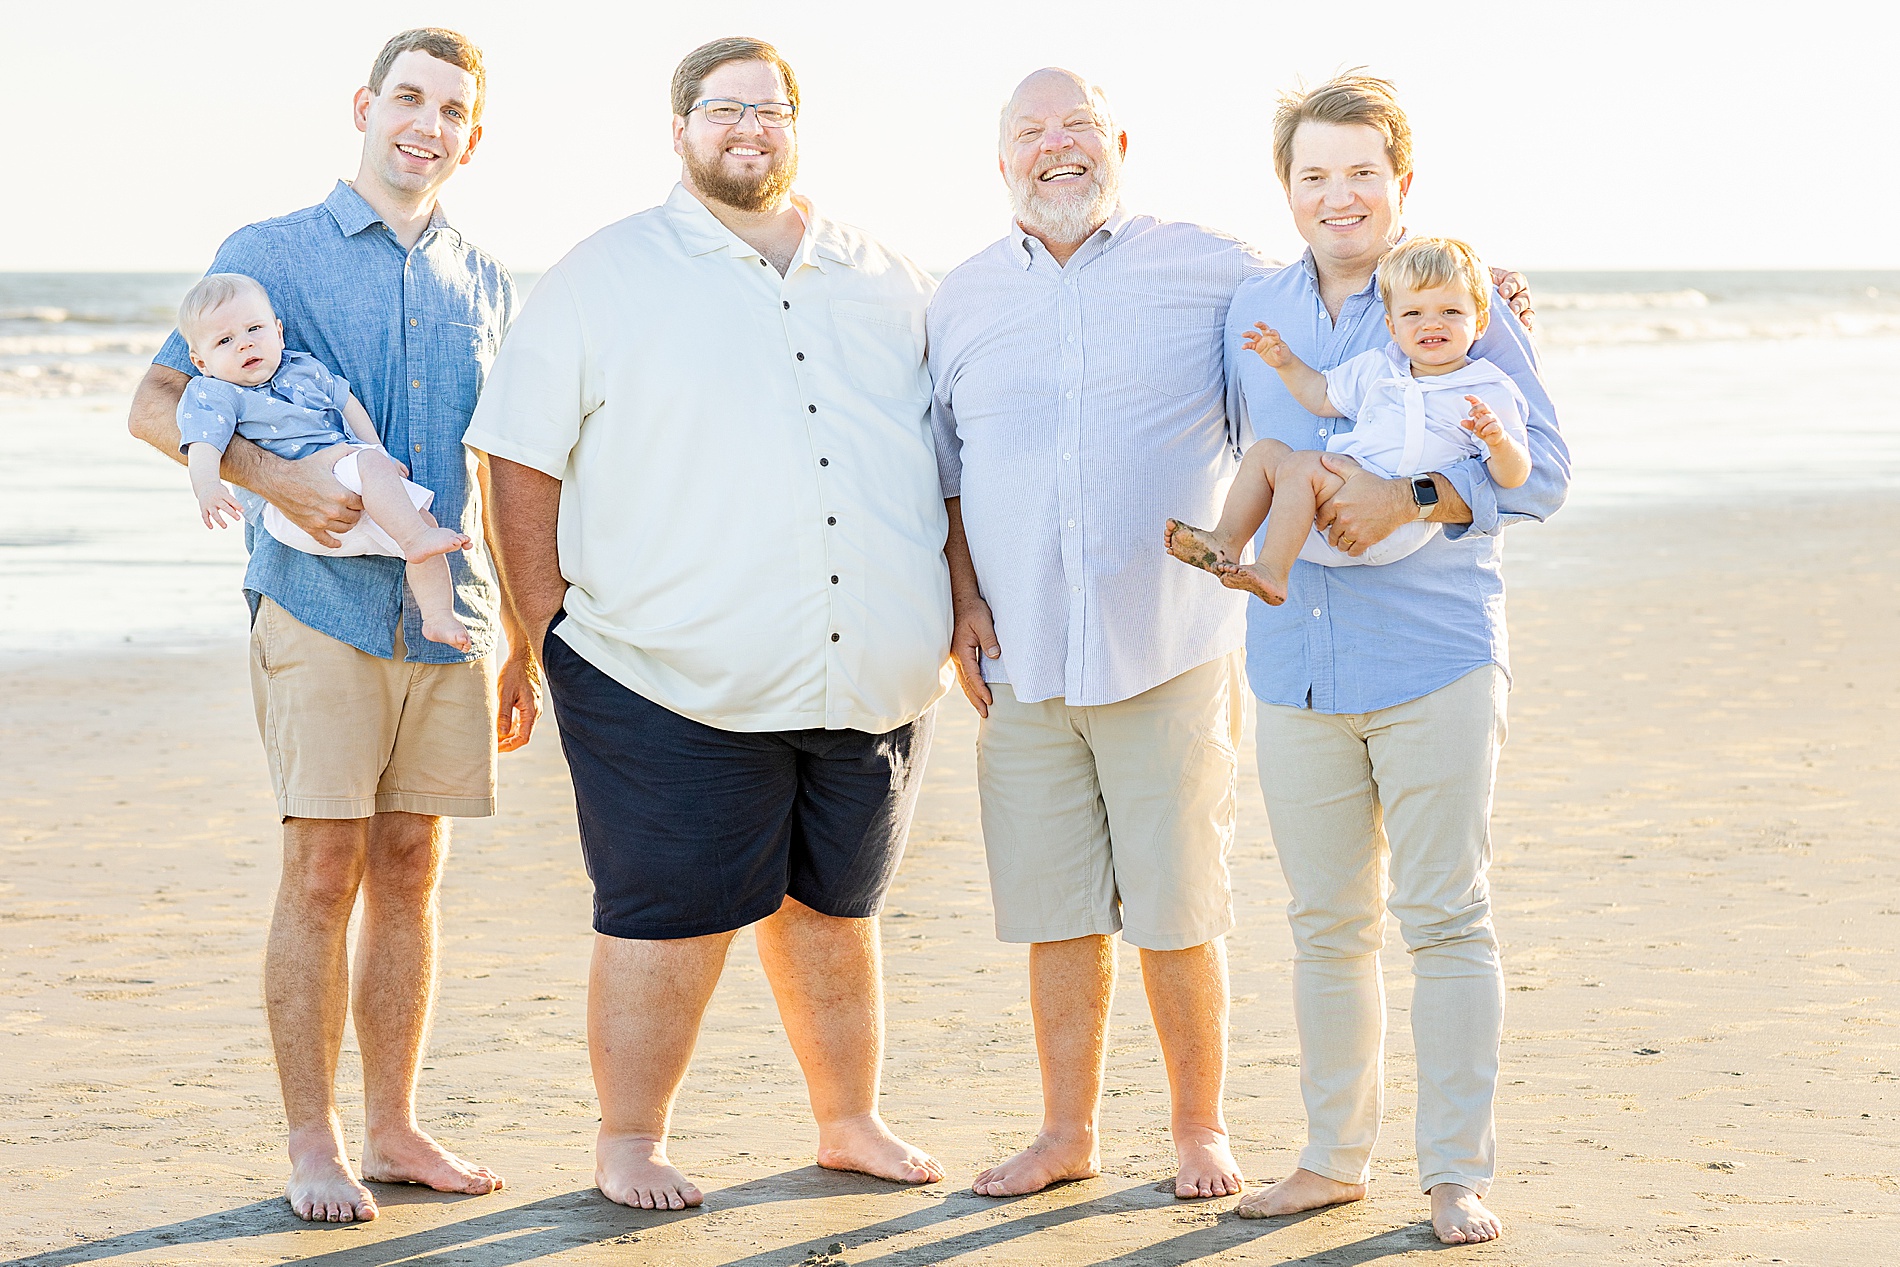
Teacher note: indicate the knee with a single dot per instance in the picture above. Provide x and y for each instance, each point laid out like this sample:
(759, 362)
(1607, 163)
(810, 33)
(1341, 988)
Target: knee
(405, 854)
(323, 881)
(1325, 935)
(1462, 933)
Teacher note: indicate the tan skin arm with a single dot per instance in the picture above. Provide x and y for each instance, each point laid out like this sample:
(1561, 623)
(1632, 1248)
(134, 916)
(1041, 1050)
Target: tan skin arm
(972, 631)
(304, 490)
(518, 682)
(524, 507)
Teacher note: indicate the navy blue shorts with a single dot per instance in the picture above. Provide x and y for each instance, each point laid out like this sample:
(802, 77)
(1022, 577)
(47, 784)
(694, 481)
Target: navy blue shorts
(689, 830)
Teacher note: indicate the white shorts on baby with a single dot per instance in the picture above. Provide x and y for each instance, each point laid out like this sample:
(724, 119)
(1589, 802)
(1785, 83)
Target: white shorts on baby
(1405, 539)
(365, 536)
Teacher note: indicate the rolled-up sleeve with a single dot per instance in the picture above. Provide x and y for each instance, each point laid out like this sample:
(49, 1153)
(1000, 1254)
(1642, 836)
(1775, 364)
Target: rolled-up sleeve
(539, 391)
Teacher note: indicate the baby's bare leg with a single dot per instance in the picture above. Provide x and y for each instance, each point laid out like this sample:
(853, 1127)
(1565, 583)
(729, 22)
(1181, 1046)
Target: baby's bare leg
(387, 502)
(429, 581)
(1248, 501)
(1300, 484)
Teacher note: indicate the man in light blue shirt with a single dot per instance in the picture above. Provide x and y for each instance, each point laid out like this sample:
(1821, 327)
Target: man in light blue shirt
(374, 734)
(1382, 693)
(1079, 403)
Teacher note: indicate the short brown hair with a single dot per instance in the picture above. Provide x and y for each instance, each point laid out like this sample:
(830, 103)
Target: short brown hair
(1422, 263)
(691, 74)
(1352, 96)
(442, 44)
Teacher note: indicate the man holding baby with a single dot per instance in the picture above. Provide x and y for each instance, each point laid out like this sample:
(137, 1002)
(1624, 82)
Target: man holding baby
(375, 733)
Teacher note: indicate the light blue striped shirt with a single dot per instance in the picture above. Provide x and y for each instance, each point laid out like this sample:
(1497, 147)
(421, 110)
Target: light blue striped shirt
(1076, 408)
(1355, 639)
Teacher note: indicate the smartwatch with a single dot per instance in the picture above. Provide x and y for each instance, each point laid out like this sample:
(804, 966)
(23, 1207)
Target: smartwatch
(1424, 495)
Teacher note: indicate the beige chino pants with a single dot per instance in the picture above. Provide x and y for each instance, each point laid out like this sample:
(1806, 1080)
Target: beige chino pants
(1394, 802)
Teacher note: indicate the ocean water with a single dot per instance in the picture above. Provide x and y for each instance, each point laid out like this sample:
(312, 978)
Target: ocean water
(1671, 386)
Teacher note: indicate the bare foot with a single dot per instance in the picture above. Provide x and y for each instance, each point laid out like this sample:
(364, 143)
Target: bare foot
(1194, 546)
(322, 1187)
(1459, 1218)
(1208, 1168)
(1050, 1159)
(866, 1145)
(448, 630)
(1301, 1190)
(631, 1170)
(411, 1156)
(430, 542)
(1254, 579)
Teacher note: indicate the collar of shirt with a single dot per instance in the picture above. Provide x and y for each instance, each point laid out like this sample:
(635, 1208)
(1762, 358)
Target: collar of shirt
(353, 214)
(1026, 244)
(700, 233)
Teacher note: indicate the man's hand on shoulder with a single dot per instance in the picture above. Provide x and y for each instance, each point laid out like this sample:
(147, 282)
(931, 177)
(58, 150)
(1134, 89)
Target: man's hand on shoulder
(1516, 290)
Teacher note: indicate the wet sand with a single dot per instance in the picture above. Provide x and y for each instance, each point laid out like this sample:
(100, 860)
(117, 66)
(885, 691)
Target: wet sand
(1698, 890)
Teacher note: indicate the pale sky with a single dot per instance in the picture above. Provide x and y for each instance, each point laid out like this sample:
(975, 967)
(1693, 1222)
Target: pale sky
(1613, 135)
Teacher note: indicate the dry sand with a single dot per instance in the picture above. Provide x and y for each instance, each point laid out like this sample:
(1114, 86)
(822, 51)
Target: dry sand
(1696, 881)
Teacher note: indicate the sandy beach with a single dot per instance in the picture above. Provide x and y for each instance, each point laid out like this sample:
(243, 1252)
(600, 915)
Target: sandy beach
(1698, 890)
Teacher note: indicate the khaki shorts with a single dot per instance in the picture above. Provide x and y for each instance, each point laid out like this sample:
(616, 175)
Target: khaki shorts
(1116, 817)
(349, 734)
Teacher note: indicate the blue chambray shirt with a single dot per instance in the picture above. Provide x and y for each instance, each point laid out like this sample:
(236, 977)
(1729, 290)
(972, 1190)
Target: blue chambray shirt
(414, 333)
(1355, 639)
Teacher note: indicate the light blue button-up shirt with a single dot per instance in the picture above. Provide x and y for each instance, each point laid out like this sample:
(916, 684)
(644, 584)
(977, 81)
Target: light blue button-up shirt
(1355, 639)
(1076, 408)
(413, 332)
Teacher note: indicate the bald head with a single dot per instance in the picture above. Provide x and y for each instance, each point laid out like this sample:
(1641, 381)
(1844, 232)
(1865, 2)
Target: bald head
(1053, 91)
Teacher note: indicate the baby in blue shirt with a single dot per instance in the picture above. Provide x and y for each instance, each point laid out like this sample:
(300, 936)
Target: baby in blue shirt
(289, 404)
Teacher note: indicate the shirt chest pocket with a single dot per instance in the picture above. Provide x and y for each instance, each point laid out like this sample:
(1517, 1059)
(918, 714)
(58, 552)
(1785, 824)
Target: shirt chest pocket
(883, 349)
(1177, 350)
(463, 354)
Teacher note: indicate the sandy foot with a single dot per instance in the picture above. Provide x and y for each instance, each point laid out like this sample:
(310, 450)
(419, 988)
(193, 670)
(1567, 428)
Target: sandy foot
(322, 1187)
(1301, 1190)
(1048, 1160)
(866, 1146)
(1208, 1168)
(630, 1170)
(430, 542)
(413, 1157)
(1254, 579)
(1194, 546)
(447, 630)
(1459, 1218)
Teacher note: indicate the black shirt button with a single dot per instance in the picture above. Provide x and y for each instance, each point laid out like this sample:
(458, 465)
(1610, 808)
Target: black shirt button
(834, 637)
(785, 303)
(821, 461)
(831, 519)
(834, 580)
(801, 356)
(812, 409)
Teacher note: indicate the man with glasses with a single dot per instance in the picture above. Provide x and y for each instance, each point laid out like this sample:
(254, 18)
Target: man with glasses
(719, 520)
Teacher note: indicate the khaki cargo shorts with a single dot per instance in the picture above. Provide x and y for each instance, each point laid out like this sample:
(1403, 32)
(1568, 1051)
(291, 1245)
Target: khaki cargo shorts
(1115, 817)
(348, 734)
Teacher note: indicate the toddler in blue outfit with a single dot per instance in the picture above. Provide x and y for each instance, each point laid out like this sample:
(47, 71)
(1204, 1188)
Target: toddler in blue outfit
(289, 404)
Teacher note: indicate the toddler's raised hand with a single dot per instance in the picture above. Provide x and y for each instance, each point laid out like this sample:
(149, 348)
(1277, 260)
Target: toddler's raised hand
(1484, 424)
(1264, 340)
(215, 503)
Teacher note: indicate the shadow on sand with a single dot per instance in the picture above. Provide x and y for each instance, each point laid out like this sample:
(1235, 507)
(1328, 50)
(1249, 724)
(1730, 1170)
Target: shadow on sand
(524, 1233)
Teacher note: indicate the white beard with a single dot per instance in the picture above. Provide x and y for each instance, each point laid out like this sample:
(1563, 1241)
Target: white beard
(1068, 215)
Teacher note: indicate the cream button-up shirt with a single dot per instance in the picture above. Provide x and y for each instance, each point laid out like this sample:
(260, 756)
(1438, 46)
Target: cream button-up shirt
(751, 527)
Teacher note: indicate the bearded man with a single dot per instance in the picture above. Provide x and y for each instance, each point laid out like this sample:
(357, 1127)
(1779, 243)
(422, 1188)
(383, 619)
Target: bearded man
(715, 488)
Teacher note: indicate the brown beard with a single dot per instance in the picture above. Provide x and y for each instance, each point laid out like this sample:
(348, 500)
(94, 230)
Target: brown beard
(744, 193)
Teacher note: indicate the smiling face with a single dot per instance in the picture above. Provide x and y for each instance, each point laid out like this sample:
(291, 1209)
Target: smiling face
(240, 341)
(1346, 201)
(746, 165)
(1434, 325)
(1058, 157)
(419, 128)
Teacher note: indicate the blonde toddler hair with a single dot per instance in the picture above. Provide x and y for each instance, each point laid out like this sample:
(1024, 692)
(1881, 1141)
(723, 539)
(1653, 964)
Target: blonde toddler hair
(1422, 263)
(216, 290)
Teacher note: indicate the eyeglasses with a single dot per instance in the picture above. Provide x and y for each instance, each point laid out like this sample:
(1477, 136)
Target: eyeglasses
(726, 112)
